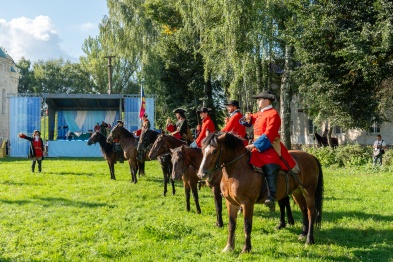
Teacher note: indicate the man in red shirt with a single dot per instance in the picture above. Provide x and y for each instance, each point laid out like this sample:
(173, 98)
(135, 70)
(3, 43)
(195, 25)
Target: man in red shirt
(207, 126)
(232, 124)
(267, 148)
(36, 151)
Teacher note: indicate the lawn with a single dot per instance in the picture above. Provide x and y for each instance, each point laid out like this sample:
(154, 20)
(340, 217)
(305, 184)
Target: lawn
(72, 211)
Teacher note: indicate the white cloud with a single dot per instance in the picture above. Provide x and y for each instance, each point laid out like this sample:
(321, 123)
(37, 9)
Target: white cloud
(35, 39)
(86, 27)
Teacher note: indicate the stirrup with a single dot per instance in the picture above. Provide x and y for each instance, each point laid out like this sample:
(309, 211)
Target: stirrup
(257, 169)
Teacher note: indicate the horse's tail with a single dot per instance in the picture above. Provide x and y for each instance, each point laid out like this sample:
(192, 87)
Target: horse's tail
(319, 197)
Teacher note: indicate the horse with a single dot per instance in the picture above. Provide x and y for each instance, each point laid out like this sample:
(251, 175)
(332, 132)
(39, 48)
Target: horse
(129, 143)
(323, 140)
(146, 140)
(106, 149)
(162, 147)
(242, 186)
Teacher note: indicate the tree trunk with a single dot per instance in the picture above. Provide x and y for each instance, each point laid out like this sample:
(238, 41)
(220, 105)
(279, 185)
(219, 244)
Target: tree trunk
(286, 98)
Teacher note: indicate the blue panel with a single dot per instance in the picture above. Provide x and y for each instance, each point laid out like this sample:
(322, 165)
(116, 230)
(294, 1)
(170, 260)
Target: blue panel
(25, 115)
(132, 106)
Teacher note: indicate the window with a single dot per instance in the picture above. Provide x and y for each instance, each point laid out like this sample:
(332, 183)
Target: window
(338, 130)
(3, 101)
(375, 128)
(311, 127)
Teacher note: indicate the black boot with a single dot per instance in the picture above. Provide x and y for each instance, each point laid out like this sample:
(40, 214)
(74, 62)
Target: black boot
(120, 157)
(32, 166)
(271, 171)
(39, 165)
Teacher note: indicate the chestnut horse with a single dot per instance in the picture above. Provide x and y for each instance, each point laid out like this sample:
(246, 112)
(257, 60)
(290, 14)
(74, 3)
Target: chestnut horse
(242, 186)
(129, 143)
(146, 140)
(106, 149)
(186, 162)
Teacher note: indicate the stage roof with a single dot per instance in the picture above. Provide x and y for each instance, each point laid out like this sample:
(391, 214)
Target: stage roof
(85, 101)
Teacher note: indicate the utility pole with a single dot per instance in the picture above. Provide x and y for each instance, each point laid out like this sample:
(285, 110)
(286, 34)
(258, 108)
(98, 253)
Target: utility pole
(110, 73)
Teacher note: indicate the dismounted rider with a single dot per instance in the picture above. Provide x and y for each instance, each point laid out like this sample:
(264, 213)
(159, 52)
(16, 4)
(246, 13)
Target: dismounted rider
(233, 125)
(267, 148)
(207, 126)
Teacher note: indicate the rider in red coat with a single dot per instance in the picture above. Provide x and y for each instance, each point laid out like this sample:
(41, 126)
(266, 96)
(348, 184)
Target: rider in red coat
(233, 125)
(267, 148)
(207, 126)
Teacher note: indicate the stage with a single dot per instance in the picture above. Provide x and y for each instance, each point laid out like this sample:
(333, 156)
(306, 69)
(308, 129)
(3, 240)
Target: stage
(72, 148)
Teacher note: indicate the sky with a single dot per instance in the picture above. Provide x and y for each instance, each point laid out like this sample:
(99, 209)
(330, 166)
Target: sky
(48, 29)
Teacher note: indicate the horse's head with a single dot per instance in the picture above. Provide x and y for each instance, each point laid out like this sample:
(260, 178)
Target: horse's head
(115, 133)
(93, 139)
(219, 149)
(159, 147)
(179, 162)
(146, 138)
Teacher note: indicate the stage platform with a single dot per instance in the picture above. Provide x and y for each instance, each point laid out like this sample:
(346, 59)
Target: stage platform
(65, 148)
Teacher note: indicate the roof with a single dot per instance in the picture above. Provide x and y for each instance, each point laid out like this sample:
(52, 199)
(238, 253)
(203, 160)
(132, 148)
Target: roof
(84, 101)
(2, 53)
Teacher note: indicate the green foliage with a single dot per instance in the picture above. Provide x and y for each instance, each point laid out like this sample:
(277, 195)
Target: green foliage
(72, 211)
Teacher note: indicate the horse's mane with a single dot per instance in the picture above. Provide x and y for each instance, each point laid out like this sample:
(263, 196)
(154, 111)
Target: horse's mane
(106, 147)
(231, 142)
(125, 131)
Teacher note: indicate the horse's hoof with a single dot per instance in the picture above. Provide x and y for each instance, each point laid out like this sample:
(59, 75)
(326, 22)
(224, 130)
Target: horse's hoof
(302, 237)
(227, 249)
(280, 226)
(246, 250)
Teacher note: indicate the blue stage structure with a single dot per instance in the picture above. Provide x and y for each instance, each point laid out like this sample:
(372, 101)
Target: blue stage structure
(73, 117)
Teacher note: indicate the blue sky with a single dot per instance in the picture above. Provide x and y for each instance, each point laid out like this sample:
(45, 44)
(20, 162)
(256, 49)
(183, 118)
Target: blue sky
(49, 29)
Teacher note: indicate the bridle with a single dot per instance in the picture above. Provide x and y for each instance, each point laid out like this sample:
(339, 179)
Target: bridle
(218, 166)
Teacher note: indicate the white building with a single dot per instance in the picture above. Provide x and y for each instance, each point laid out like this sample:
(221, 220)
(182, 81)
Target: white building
(9, 80)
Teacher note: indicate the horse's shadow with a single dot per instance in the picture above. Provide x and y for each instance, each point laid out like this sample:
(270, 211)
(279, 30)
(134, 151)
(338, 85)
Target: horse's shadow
(56, 201)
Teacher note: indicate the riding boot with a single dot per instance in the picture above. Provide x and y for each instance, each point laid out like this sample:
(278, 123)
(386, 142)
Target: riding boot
(32, 166)
(271, 171)
(120, 157)
(39, 165)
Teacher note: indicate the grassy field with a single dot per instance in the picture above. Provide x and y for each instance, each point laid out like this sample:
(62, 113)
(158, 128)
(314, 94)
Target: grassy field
(72, 211)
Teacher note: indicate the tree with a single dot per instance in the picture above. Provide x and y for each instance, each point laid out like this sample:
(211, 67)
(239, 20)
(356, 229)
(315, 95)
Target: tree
(26, 80)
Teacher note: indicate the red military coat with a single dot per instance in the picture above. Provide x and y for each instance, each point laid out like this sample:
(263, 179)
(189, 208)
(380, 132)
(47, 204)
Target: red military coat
(207, 125)
(268, 122)
(235, 127)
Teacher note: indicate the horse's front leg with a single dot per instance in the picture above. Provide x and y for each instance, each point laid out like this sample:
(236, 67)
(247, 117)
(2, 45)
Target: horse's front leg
(141, 165)
(133, 170)
(187, 190)
(232, 213)
(112, 170)
(218, 203)
(193, 182)
(285, 205)
(248, 212)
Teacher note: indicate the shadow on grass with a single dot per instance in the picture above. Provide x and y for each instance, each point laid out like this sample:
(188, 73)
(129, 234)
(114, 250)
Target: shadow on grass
(69, 173)
(56, 201)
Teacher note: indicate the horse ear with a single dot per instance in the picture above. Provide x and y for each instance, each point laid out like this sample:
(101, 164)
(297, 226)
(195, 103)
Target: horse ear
(221, 137)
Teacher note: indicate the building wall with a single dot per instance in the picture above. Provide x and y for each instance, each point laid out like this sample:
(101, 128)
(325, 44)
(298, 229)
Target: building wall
(9, 80)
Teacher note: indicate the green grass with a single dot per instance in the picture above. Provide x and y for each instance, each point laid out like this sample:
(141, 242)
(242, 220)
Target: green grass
(72, 211)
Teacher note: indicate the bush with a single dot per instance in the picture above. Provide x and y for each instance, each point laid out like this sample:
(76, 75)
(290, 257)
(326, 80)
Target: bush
(346, 155)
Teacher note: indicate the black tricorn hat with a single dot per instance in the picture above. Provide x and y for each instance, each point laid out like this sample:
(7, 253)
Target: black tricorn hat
(232, 103)
(265, 94)
(37, 131)
(119, 121)
(179, 110)
(203, 109)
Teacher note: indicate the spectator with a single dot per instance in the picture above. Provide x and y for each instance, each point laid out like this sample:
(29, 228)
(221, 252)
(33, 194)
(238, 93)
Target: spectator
(379, 149)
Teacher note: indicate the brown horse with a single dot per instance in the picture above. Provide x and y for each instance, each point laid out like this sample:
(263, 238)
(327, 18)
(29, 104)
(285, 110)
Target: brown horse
(146, 141)
(186, 162)
(106, 149)
(242, 186)
(129, 143)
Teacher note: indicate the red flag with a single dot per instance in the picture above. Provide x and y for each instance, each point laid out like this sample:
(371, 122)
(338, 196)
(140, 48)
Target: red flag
(143, 104)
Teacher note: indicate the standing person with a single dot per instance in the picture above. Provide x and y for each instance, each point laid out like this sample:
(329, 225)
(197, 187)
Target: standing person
(207, 126)
(36, 151)
(379, 149)
(267, 148)
(182, 128)
(233, 121)
(170, 127)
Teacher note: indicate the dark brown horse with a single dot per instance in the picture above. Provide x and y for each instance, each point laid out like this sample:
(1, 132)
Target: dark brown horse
(146, 141)
(323, 140)
(242, 186)
(106, 149)
(129, 143)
